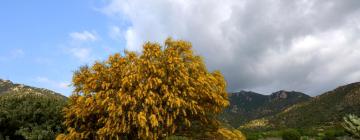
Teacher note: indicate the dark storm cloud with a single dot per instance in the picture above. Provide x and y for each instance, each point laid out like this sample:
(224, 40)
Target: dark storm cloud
(261, 45)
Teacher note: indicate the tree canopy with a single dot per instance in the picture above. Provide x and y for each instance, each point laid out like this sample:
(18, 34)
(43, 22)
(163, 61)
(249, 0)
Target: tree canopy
(30, 116)
(162, 91)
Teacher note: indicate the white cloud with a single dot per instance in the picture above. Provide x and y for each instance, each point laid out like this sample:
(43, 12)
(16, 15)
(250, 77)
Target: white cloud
(81, 53)
(43, 61)
(42, 79)
(264, 45)
(83, 36)
(53, 84)
(12, 54)
(116, 33)
(63, 85)
(81, 45)
(17, 53)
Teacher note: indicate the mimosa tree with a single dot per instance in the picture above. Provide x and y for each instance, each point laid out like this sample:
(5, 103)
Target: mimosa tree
(163, 91)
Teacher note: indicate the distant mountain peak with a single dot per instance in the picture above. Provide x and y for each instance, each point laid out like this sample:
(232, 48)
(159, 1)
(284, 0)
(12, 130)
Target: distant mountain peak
(282, 94)
(244, 92)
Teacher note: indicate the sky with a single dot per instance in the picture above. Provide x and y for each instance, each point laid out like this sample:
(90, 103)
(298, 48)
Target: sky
(310, 46)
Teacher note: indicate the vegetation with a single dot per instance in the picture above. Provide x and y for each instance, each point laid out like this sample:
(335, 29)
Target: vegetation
(162, 92)
(291, 134)
(325, 110)
(305, 133)
(30, 115)
(166, 92)
(34, 113)
(352, 125)
(246, 105)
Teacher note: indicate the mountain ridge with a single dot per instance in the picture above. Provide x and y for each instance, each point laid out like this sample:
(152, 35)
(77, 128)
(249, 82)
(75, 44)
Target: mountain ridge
(324, 110)
(8, 87)
(249, 105)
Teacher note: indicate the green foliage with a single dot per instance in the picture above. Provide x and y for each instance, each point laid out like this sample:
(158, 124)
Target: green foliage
(253, 136)
(305, 133)
(246, 105)
(30, 115)
(352, 125)
(291, 134)
(332, 134)
(325, 110)
(260, 134)
(177, 138)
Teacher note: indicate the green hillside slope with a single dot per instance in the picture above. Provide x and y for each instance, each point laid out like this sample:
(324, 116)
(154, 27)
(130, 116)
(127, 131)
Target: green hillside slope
(247, 105)
(28, 112)
(326, 109)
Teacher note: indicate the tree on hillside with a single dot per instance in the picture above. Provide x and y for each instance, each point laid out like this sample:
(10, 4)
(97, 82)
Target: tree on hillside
(165, 90)
(30, 116)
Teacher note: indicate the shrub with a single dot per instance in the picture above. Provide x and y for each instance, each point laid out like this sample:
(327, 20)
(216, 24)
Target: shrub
(329, 136)
(253, 137)
(164, 91)
(291, 134)
(333, 133)
(352, 125)
(30, 116)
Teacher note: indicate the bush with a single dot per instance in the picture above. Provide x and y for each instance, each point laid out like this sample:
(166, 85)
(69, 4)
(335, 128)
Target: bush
(291, 134)
(329, 136)
(308, 132)
(352, 125)
(30, 116)
(253, 137)
(250, 135)
(177, 138)
(163, 91)
(333, 133)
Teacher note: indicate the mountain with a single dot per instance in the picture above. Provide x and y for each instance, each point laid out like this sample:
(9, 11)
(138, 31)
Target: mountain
(248, 105)
(325, 110)
(8, 87)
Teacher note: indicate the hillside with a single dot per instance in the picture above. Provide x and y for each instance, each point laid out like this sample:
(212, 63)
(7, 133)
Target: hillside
(8, 87)
(324, 110)
(28, 112)
(248, 105)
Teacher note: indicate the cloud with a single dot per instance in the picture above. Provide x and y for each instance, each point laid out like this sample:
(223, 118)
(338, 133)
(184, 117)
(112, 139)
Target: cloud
(63, 85)
(83, 36)
(261, 45)
(43, 60)
(115, 33)
(12, 54)
(53, 84)
(81, 53)
(81, 45)
(16, 53)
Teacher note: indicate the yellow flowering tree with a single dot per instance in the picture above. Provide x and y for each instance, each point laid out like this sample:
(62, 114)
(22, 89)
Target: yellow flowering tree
(163, 91)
